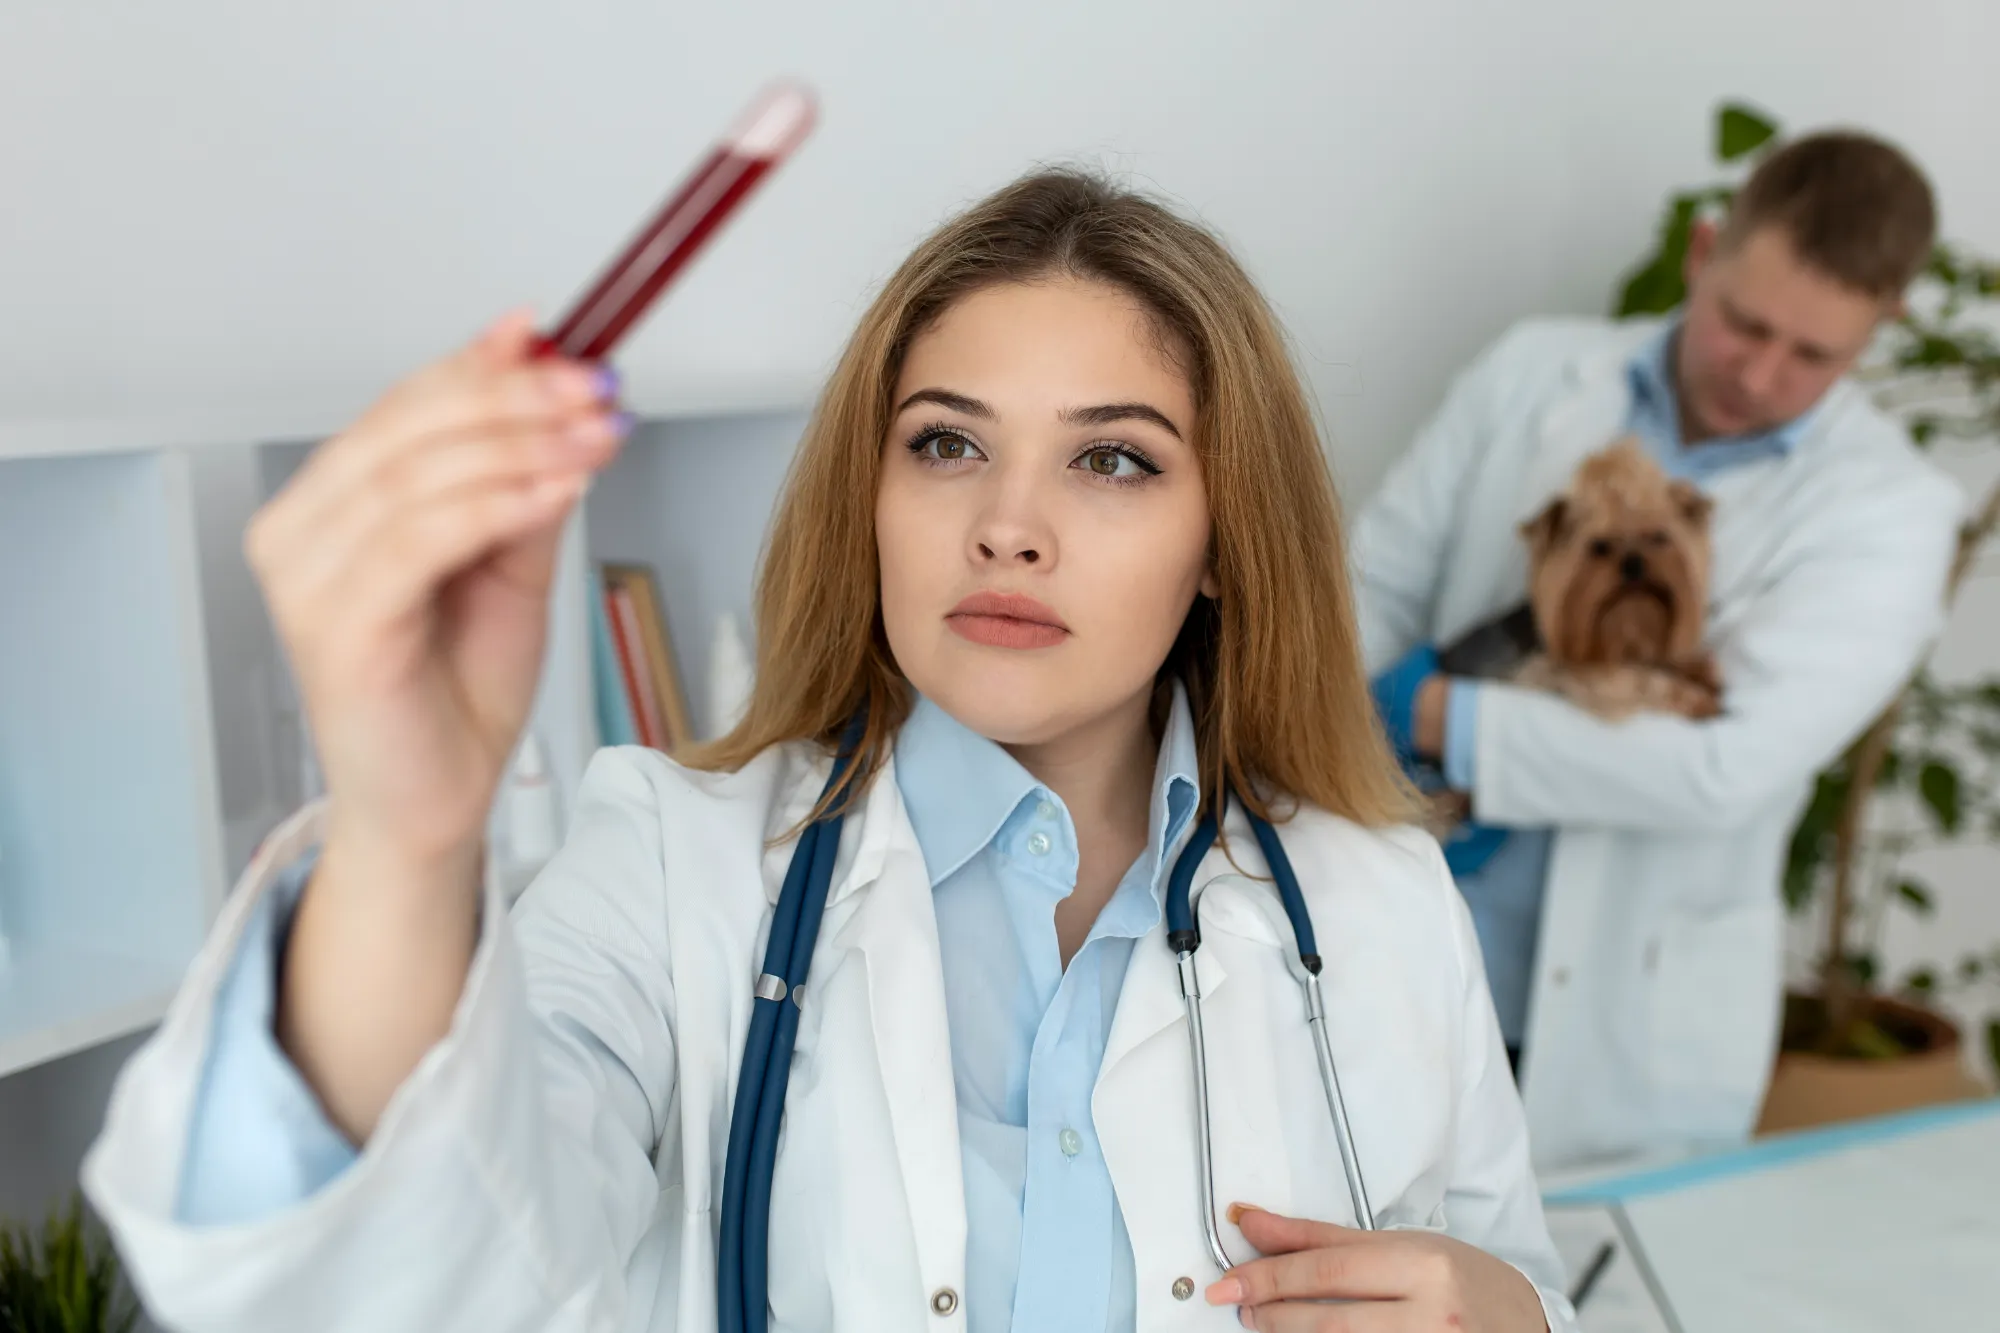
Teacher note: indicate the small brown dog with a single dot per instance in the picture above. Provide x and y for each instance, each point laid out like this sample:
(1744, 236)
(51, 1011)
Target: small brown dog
(1618, 581)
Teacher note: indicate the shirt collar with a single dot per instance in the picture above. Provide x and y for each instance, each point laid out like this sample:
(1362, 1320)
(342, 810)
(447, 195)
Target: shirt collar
(960, 788)
(1650, 370)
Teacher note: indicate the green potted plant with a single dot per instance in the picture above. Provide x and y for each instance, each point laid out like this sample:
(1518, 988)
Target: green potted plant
(1927, 770)
(62, 1277)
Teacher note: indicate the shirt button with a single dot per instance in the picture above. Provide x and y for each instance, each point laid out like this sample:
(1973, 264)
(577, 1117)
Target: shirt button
(1070, 1142)
(1038, 843)
(1045, 810)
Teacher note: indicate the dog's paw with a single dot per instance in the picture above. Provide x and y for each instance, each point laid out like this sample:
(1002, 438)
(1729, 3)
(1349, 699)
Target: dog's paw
(1704, 672)
(1691, 698)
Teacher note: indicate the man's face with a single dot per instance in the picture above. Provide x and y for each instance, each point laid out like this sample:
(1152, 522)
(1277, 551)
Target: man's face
(1764, 334)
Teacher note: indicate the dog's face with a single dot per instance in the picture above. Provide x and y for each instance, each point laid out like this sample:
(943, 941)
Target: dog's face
(1618, 567)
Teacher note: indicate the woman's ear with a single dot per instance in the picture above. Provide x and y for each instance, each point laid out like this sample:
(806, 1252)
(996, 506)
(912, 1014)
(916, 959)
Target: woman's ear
(1211, 586)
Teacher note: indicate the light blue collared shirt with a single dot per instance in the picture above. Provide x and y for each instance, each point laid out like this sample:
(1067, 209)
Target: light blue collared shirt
(1046, 1244)
(1505, 894)
(1047, 1247)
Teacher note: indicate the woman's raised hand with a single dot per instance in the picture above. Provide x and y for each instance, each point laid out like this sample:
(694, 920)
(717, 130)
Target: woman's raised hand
(407, 567)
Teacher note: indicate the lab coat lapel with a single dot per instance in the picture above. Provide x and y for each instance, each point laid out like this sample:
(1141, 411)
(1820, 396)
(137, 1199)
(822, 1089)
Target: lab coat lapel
(1576, 424)
(1743, 527)
(884, 912)
(1149, 1000)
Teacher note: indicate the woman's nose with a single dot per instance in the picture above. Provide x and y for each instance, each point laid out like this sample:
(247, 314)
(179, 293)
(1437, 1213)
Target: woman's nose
(1013, 526)
(1027, 555)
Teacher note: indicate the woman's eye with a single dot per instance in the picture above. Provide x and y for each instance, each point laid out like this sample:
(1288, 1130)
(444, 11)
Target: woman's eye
(1600, 548)
(945, 446)
(1111, 463)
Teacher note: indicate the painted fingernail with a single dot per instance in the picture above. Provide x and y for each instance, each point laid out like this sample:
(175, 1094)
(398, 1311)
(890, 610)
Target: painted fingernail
(606, 379)
(1229, 1291)
(1236, 1211)
(1243, 1316)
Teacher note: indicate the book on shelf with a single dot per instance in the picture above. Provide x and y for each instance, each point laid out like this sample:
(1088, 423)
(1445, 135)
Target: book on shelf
(633, 662)
(616, 722)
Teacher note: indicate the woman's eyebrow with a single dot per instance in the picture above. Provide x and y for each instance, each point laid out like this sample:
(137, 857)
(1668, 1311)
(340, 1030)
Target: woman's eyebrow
(1106, 413)
(945, 398)
(1103, 414)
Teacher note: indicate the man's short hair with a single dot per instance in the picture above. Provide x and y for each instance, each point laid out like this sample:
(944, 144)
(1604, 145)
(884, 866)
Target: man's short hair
(1852, 206)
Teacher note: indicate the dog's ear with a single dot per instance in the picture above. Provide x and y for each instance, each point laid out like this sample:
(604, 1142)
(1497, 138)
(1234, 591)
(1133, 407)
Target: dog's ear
(1694, 506)
(1544, 528)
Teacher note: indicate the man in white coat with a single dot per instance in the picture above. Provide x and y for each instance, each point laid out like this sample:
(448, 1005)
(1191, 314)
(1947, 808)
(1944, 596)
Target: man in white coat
(1624, 877)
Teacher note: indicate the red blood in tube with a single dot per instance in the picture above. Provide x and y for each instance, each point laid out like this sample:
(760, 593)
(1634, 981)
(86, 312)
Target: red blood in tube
(762, 138)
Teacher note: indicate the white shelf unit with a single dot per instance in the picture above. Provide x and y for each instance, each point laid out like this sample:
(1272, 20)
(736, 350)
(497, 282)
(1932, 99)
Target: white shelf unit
(149, 731)
(111, 857)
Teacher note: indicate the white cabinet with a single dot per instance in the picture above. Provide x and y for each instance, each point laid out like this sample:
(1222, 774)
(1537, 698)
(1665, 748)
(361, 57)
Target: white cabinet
(111, 859)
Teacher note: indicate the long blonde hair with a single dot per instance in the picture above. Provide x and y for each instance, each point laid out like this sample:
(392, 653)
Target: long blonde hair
(1272, 666)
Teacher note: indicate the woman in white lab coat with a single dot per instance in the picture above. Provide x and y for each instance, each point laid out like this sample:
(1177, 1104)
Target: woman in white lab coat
(1061, 522)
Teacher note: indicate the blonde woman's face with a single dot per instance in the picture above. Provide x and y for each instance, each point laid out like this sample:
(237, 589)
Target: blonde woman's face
(1042, 524)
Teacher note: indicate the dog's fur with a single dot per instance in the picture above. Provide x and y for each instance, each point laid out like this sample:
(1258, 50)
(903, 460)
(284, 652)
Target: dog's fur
(1618, 582)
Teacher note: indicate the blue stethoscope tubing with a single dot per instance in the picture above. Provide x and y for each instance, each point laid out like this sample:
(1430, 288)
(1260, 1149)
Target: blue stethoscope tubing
(1184, 938)
(742, 1260)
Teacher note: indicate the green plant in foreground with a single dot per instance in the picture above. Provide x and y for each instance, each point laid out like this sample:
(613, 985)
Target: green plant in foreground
(62, 1277)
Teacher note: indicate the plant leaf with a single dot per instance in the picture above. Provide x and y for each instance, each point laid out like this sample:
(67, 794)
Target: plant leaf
(1869, 1041)
(1938, 784)
(1653, 290)
(1740, 130)
(1812, 838)
(1916, 895)
(1993, 1041)
(1891, 770)
(1922, 980)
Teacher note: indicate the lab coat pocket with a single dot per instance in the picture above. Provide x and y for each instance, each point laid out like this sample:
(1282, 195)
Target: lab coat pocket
(1713, 1000)
(1434, 1222)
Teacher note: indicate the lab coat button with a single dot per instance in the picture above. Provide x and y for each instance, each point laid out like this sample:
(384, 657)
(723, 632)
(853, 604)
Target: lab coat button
(1183, 1288)
(1070, 1142)
(1039, 844)
(943, 1301)
(1560, 976)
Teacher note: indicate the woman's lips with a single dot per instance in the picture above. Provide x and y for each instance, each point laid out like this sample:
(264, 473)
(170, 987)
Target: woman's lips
(1006, 620)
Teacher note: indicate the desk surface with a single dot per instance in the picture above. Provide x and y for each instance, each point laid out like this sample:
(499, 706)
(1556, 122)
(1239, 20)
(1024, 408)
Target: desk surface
(1876, 1226)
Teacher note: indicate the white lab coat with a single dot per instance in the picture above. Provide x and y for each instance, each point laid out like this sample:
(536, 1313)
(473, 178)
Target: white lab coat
(556, 1162)
(1653, 1013)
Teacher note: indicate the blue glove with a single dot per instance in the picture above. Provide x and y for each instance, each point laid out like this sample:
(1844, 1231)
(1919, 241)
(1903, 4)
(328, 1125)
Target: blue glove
(1395, 692)
(1470, 846)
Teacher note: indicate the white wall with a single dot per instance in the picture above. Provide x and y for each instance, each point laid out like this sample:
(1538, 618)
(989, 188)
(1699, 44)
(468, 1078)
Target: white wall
(235, 201)
(226, 203)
